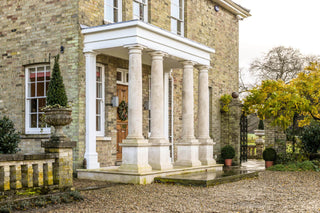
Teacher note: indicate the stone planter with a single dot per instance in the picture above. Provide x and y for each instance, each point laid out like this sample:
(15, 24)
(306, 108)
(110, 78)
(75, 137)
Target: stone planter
(58, 117)
(259, 142)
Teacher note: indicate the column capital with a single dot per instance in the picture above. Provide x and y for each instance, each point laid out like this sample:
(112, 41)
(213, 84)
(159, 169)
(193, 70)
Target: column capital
(188, 63)
(90, 52)
(203, 68)
(157, 53)
(134, 47)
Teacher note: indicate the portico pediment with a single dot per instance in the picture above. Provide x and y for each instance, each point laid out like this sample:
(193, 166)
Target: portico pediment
(111, 40)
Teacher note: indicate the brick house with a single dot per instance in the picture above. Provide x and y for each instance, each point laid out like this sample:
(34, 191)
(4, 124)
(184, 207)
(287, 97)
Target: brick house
(169, 61)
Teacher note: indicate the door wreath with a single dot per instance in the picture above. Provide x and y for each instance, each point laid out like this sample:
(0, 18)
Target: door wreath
(123, 111)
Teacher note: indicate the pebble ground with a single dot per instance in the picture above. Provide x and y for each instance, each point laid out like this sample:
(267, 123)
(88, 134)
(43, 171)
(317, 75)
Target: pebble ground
(270, 192)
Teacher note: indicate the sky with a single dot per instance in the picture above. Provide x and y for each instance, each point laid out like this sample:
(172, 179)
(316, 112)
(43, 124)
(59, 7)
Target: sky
(290, 23)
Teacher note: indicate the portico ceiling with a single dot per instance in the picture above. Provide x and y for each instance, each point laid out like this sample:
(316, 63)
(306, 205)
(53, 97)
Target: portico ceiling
(111, 40)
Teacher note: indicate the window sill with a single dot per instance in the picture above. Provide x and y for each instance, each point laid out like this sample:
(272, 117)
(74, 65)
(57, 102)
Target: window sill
(103, 138)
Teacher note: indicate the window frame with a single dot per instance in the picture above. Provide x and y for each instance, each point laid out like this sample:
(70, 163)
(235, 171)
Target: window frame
(181, 19)
(145, 9)
(124, 76)
(119, 10)
(28, 128)
(102, 101)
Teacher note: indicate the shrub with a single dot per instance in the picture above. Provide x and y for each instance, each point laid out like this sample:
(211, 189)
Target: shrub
(311, 137)
(56, 95)
(297, 166)
(269, 154)
(227, 152)
(9, 138)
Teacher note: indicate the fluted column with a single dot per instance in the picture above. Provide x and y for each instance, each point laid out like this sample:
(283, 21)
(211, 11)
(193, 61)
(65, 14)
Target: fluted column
(91, 154)
(135, 147)
(159, 153)
(206, 143)
(188, 149)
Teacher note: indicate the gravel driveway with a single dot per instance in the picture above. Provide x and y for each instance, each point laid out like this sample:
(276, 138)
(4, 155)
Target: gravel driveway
(271, 192)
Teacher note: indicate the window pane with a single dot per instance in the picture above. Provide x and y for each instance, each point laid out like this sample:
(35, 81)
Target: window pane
(98, 107)
(127, 77)
(40, 69)
(33, 105)
(174, 25)
(42, 102)
(98, 123)
(109, 13)
(40, 89)
(119, 74)
(175, 11)
(32, 90)
(33, 121)
(179, 27)
(136, 10)
(99, 90)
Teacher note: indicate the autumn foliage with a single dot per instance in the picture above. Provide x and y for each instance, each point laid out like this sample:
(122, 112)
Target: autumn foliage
(282, 101)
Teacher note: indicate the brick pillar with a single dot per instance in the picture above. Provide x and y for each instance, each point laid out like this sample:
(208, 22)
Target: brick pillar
(230, 128)
(63, 166)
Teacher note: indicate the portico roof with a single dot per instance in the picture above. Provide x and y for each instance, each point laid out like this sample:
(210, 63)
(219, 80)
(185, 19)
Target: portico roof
(112, 38)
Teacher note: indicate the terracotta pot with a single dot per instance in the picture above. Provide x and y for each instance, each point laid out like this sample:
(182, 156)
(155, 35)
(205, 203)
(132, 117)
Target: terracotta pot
(269, 163)
(58, 117)
(228, 162)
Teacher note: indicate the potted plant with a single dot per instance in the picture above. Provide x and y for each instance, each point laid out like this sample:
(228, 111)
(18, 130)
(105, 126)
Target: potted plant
(57, 112)
(269, 155)
(227, 153)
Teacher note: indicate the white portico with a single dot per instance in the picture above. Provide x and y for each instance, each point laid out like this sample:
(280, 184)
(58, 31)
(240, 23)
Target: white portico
(142, 43)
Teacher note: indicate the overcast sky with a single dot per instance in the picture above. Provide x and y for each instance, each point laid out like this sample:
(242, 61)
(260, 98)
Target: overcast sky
(290, 23)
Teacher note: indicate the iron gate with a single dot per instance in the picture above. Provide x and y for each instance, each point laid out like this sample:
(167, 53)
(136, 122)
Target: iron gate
(243, 138)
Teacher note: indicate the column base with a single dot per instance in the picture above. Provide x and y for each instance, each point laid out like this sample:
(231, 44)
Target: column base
(92, 161)
(206, 151)
(188, 154)
(159, 154)
(135, 156)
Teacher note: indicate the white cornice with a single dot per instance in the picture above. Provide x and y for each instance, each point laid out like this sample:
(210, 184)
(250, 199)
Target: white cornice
(106, 37)
(233, 8)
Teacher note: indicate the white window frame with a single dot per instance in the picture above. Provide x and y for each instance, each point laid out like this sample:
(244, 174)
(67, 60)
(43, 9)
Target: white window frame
(124, 76)
(28, 128)
(111, 6)
(102, 101)
(181, 19)
(144, 4)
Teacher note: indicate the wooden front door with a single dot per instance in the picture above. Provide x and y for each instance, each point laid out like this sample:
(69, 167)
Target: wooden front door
(122, 120)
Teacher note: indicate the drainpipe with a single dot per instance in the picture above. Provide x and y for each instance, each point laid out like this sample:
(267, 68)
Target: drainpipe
(171, 137)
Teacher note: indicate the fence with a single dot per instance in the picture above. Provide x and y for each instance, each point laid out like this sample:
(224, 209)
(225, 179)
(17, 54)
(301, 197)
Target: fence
(26, 170)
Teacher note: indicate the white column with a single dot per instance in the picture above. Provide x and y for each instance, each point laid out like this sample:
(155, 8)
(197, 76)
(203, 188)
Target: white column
(188, 149)
(91, 154)
(206, 143)
(135, 147)
(159, 153)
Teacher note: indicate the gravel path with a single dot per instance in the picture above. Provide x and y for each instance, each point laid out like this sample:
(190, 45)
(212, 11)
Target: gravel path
(271, 192)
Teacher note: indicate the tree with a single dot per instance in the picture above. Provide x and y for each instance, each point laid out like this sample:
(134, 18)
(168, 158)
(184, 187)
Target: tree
(56, 95)
(284, 102)
(280, 63)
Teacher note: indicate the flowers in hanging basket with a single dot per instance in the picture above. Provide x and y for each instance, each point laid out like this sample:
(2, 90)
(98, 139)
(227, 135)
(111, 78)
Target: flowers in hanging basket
(123, 111)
